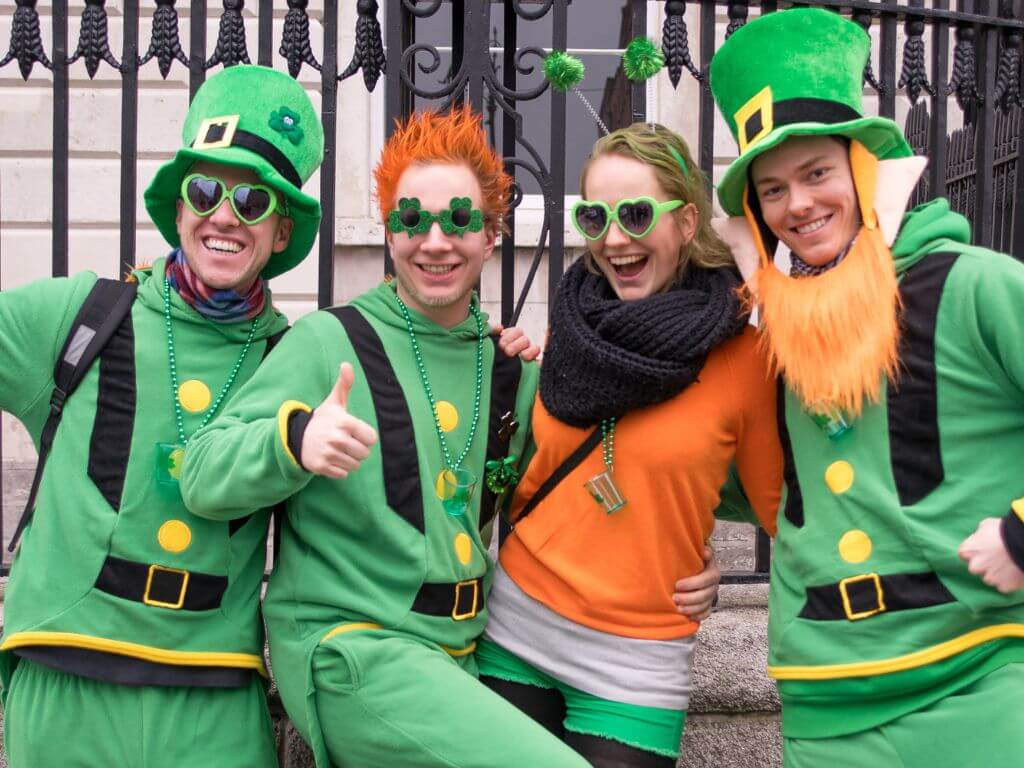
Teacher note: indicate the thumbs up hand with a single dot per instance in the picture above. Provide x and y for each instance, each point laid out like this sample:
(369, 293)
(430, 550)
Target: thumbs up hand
(336, 442)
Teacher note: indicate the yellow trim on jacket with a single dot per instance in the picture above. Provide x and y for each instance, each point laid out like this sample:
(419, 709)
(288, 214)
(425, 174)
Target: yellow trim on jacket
(135, 650)
(899, 663)
(288, 407)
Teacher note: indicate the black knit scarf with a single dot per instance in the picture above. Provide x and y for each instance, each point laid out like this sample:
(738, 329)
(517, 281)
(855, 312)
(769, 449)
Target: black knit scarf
(605, 356)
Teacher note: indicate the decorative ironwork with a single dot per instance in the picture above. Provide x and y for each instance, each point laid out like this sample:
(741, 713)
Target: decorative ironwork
(26, 41)
(864, 19)
(914, 76)
(165, 44)
(369, 50)
(295, 45)
(675, 43)
(917, 132)
(230, 48)
(1007, 92)
(964, 82)
(737, 13)
(93, 42)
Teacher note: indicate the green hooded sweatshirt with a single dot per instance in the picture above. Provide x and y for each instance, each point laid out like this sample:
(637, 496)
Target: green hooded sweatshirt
(358, 550)
(872, 613)
(101, 517)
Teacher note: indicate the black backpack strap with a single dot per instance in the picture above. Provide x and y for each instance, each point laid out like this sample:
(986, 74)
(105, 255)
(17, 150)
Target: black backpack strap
(104, 309)
(574, 460)
(505, 375)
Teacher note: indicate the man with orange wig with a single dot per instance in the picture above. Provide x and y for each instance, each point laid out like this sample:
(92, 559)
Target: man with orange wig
(375, 422)
(896, 629)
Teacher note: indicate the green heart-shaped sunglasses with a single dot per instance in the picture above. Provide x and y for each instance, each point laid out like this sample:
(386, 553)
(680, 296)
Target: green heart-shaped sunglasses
(252, 203)
(636, 217)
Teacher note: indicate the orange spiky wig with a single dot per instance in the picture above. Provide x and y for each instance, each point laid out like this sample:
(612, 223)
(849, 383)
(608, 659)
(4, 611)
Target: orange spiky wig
(455, 137)
(835, 336)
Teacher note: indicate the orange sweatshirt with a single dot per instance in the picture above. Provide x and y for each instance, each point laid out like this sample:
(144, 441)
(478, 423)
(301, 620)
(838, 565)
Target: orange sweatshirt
(616, 573)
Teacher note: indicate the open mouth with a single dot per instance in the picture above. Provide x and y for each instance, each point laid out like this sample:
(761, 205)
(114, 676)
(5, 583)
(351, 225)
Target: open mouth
(628, 266)
(437, 270)
(222, 246)
(812, 226)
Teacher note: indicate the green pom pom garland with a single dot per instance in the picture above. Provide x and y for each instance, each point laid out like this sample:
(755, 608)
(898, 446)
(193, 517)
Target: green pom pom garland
(563, 71)
(642, 59)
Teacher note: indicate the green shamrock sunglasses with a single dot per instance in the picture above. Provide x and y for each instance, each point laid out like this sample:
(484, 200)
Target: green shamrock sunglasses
(459, 217)
(252, 203)
(635, 217)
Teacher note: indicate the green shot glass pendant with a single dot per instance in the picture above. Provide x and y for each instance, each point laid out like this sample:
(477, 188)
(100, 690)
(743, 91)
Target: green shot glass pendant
(458, 218)
(602, 487)
(831, 421)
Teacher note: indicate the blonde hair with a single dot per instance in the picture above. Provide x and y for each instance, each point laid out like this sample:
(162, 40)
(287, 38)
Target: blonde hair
(649, 143)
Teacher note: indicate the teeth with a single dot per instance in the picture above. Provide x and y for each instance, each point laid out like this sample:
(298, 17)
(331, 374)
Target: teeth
(621, 261)
(222, 245)
(437, 269)
(814, 226)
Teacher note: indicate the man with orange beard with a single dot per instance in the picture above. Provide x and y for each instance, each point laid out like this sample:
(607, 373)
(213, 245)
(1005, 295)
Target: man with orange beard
(896, 626)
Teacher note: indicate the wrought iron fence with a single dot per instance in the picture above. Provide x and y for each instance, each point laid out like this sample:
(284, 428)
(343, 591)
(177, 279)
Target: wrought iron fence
(970, 55)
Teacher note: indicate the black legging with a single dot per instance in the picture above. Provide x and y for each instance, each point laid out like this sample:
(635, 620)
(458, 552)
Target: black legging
(547, 707)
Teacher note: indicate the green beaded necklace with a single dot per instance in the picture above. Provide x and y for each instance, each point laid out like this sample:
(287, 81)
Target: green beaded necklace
(608, 442)
(178, 418)
(421, 367)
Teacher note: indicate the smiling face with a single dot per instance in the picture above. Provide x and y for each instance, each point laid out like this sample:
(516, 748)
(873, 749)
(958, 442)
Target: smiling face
(807, 196)
(221, 250)
(636, 268)
(437, 272)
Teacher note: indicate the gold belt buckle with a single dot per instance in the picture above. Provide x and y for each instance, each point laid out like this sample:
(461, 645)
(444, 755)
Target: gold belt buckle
(160, 603)
(855, 615)
(475, 584)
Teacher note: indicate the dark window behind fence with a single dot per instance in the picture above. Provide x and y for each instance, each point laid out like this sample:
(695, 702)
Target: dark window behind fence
(958, 64)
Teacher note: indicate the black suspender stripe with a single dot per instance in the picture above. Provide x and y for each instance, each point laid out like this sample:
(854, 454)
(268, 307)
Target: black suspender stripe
(912, 400)
(111, 441)
(505, 374)
(794, 496)
(235, 525)
(402, 485)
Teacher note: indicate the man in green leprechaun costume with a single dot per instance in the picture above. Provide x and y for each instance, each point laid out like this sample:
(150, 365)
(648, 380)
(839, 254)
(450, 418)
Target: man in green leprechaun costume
(388, 426)
(132, 630)
(896, 611)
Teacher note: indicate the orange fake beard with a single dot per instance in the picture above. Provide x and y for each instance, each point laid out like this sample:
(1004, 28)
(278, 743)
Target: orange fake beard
(835, 336)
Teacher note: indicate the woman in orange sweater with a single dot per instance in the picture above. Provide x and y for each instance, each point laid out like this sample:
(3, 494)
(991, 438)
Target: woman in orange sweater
(653, 382)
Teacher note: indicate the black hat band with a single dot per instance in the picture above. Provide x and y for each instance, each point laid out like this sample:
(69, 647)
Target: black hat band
(224, 132)
(789, 111)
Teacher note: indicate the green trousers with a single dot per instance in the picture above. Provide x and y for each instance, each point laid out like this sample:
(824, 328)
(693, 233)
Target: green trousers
(56, 719)
(386, 699)
(980, 725)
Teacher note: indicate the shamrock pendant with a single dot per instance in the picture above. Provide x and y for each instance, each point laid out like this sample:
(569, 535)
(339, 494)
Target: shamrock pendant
(501, 474)
(169, 459)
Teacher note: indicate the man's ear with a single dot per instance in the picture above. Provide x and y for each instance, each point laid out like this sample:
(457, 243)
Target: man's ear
(283, 234)
(687, 219)
(490, 238)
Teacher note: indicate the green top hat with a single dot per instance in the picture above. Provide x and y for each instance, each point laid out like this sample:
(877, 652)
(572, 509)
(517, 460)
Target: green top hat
(249, 117)
(794, 73)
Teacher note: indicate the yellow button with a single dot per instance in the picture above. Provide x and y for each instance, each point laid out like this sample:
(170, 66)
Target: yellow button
(463, 548)
(174, 462)
(194, 396)
(447, 415)
(174, 536)
(445, 490)
(855, 546)
(839, 476)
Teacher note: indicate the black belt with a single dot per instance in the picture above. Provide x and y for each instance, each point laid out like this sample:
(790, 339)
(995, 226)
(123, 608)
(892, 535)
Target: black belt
(461, 600)
(869, 594)
(160, 586)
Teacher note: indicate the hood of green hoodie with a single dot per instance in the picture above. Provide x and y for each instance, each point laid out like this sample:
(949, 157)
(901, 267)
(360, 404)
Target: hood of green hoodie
(382, 304)
(926, 229)
(151, 294)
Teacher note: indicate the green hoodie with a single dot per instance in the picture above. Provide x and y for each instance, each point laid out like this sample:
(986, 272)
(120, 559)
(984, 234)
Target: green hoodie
(896, 496)
(99, 498)
(350, 551)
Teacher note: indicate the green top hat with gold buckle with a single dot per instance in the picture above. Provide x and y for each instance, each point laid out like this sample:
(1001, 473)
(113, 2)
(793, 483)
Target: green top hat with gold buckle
(249, 117)
(794, 73)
